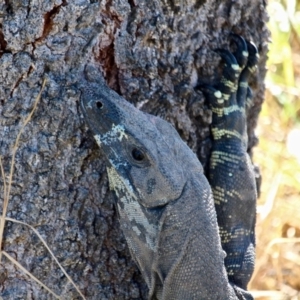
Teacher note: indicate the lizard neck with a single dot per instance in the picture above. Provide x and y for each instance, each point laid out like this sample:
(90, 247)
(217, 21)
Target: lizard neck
(182, 234)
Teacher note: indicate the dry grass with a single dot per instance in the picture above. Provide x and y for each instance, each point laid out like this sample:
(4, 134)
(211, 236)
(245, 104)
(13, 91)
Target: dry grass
(278, 155)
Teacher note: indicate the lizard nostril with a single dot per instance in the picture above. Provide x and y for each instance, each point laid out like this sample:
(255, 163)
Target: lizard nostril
(99, 104)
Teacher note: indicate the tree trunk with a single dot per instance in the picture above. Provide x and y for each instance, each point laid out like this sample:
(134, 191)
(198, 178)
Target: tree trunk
(153, 53)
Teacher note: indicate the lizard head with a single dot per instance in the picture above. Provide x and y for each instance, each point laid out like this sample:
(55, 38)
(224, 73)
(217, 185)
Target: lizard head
(142, 150)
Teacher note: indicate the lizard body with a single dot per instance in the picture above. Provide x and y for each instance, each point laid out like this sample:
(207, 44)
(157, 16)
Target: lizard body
(174, 230)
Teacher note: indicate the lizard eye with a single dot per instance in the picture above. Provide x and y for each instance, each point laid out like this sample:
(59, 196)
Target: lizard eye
(137, 154)
(99, 104)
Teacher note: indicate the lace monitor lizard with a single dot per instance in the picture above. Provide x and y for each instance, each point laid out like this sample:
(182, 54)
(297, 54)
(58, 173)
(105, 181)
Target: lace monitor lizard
(191, 237)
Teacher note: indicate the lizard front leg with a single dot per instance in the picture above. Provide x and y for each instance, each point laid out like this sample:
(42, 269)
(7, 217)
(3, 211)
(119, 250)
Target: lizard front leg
(231, 173)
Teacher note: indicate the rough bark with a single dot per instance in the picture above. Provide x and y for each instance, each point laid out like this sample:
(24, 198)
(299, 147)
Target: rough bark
(154, 53)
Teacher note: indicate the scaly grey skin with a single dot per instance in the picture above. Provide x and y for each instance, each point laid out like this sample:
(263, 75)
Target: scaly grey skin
(165, 203)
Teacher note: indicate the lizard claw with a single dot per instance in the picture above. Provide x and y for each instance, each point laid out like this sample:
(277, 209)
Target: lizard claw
(243, 89)
(241, 53)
